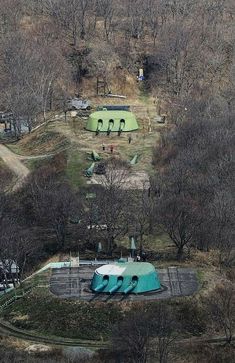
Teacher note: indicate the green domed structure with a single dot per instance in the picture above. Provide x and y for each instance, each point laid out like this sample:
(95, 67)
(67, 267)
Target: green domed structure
(125, 277)
(112, 121)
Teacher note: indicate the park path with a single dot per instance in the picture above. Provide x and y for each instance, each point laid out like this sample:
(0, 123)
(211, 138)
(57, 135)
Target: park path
(8, 330)
(15, 164)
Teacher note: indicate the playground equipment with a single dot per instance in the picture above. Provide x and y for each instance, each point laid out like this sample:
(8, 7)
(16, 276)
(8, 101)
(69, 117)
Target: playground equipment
(112, 121)
(125, 277)
(89, 172)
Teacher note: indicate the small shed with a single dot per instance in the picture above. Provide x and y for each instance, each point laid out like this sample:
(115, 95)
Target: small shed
(125, 277)
(112, 121)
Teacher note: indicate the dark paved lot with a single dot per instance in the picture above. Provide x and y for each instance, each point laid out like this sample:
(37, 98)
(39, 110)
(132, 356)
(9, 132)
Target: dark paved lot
(74, 283)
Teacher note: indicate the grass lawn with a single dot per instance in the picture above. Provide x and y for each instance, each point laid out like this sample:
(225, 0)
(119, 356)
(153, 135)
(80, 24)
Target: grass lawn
(157, 242)
(144, 96)
(6, 175)
(71, 136)
(41, 142)
(34, 164)
(76, 164)
(85, 141)
(160, 241)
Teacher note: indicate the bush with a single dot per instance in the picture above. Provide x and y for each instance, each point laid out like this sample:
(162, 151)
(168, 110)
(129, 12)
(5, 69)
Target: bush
(192, 316)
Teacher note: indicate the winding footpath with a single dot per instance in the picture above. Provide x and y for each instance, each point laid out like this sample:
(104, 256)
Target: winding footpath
(15, 164)
(6, 329)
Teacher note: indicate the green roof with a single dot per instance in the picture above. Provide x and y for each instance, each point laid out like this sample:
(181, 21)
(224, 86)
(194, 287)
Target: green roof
(134, 268)
(115, 120)
(125, 273)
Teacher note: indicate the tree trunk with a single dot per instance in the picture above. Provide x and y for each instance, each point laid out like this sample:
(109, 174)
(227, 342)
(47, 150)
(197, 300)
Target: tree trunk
(110, 247)
(180, 251)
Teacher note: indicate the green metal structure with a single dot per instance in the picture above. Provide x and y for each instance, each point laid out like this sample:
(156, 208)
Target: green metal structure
(125, 277)
(95, 156)
(89, 171)
(112, 121)
(134, 160)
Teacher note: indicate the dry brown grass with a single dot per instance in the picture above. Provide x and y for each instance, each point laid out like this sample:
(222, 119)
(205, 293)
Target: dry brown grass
(40, 142)
(85, 141)
(6, 176)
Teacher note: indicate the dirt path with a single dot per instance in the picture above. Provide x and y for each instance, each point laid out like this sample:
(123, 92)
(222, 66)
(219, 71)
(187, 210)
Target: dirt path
(15, 164)
(6, 329)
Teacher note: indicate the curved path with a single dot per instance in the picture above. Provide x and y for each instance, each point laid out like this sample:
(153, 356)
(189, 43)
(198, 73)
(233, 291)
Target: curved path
(6, 329)
(14, 163)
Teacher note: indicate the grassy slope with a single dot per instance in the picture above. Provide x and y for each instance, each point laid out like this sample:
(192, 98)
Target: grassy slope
(42, 312)
(76, 164)
(42, 141)
(6, 176)
(58, 135)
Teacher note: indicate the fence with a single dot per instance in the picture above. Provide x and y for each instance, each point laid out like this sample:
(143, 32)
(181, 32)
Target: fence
(11, 296)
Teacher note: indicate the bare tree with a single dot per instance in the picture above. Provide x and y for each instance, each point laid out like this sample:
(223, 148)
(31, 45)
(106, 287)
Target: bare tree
(221, 211)
(16, 247)
(53, 203)
(135, 13)
(194, 182)
(106, 9)
(10, 15)
(179, 221)
(72, 16)
(31, 73)
(112, 203)
(143, 208)
(152, 9)
(145, 333)
(165, 330)
(221, 305)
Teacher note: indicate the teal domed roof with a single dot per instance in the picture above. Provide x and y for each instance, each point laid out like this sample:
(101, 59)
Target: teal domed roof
(125, 277)
(112, 120)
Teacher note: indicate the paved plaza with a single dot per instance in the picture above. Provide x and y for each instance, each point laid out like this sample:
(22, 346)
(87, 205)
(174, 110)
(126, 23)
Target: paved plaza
(74, 283)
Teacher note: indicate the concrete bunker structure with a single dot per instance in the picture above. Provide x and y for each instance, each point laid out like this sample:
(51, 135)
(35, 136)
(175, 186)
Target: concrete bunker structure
(112, 121)
(126, 278)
